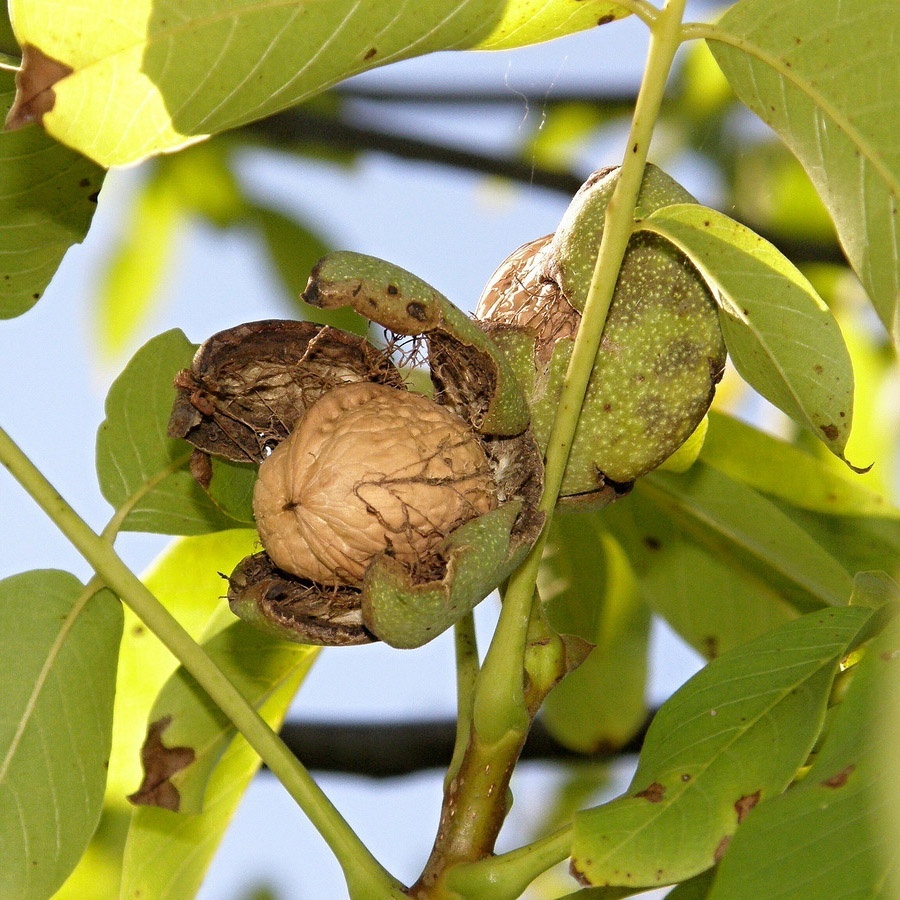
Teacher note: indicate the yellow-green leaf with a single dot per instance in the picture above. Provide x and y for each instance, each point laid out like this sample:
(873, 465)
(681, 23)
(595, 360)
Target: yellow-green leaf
(167, 855)
(186, 579)
(532, 21)
(123, 81)
(131, 282)
(588, 589)
(782, 470)
(185, 718)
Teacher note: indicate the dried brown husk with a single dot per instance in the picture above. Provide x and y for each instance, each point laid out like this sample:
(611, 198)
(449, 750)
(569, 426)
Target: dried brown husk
(248, 386)
(283, 604)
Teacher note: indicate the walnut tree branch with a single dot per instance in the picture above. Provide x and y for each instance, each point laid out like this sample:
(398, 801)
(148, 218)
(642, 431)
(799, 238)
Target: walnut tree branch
(391, 749)
(304, 127)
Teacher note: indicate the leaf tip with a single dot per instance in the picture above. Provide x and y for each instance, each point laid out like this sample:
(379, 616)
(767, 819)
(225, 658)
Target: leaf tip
(860, 470)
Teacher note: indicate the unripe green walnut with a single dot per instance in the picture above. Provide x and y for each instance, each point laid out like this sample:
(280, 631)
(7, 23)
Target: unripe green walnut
(662, 351)
(368, 470)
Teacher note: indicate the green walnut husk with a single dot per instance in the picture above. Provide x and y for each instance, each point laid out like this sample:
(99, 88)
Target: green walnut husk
(662, 351)
(249, 392)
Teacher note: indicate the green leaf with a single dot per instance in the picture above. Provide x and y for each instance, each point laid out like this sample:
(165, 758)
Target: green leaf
(696, 888)
(733, 736)
(859, 543)
(780, 335)
(186, 580)
(588, 589)
(749, 531)
(532, 21)
(167, 854)
(827, 836)
(874, 589)
(782, 470)
(129, 81)
(185, 718)
(711, 603)
(47, 200)
(8, 43)
(231, 489)
(59, 641)
(823, 74)
(143, 473)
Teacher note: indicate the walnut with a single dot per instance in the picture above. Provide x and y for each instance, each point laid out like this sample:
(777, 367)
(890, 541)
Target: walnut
(369, 470)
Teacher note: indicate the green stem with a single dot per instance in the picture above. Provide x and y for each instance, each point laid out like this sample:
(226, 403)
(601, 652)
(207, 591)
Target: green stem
(365, 876)
(475, 801)
(509, 874)
(500, 699)
(466, 676)
(644, 10)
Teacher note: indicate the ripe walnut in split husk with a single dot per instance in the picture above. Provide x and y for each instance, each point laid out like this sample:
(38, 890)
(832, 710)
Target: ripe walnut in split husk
(662, 351)
(369, 468)
(383, 513)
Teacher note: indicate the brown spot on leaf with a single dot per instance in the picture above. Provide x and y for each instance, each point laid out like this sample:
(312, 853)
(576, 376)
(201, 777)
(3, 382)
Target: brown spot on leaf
(721, 847)
(652, 543)
(370, 53)
(605, 20)
(830, 431)
(578, 874)
(34, 87)
(745, 804)
(160, 763)
(839, 779)
(654, 793)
